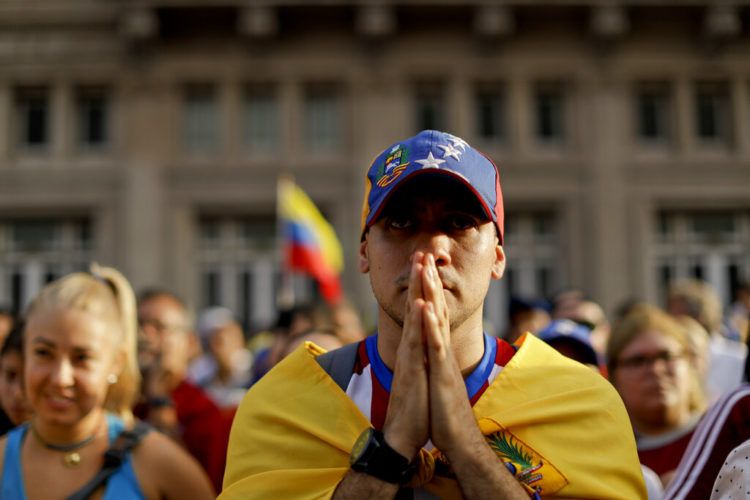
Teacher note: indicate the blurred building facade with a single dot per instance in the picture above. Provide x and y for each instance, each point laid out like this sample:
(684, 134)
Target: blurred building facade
(148, 134)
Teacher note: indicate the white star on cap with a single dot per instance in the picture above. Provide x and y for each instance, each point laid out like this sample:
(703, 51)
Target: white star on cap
(430, 162)
(449, 150)
(458, 142)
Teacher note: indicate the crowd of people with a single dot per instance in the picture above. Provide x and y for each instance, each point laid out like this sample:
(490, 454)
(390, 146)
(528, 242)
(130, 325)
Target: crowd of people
(87, 360)
(681, 371)
(89, 363)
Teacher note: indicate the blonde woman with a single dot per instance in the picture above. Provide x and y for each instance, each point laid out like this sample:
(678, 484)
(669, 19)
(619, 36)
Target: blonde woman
(650, 365)
(81, 379)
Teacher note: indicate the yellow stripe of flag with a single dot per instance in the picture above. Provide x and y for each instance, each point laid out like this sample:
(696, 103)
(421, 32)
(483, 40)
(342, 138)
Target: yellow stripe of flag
(296, 206)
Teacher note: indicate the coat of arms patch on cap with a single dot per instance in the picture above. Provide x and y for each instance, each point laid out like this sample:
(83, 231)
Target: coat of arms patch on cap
(394, 165)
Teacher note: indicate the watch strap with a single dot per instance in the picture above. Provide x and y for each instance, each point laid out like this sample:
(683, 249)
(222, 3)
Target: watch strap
(379, 460)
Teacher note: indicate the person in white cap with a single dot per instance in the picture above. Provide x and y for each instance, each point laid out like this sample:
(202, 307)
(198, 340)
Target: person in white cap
(225, 369)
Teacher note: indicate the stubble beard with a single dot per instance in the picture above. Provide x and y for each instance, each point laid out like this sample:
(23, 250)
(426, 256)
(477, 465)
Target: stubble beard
(397, 314)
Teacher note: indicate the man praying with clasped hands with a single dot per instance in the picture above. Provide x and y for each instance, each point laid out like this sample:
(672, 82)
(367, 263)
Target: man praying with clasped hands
(429, 405)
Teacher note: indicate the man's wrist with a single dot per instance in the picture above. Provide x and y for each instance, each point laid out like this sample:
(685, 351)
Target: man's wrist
(469, 450)
(372, 455)
(402, 446)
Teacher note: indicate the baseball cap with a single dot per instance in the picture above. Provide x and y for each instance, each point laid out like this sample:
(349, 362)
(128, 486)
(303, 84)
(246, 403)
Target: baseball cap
(568, 331)
(435, 153)
(212, 319)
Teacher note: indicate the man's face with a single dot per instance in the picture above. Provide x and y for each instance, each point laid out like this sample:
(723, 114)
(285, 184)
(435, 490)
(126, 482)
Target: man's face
(225, 343)
(163, 332)
(439, 216)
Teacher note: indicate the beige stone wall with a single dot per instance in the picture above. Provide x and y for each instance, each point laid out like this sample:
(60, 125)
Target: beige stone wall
(145, 192)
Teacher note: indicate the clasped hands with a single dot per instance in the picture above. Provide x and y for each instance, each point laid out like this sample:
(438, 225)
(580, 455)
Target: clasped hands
(428, 397)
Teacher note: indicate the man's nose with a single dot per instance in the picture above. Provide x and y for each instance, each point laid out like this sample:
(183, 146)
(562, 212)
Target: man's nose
(150, 333)
(439, 245)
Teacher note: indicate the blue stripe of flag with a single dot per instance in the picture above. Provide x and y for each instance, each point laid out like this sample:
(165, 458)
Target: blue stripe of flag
(300, 234)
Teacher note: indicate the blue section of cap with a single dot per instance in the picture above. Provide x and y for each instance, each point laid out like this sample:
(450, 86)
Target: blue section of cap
(560, 329)
(466, 164)
(565, 328)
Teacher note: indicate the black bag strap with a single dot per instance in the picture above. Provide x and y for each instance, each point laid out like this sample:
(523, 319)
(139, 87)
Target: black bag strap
(125, 442)
(339, 363)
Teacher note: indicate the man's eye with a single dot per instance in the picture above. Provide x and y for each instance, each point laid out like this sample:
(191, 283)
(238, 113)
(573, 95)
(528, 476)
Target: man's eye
(400, 223)
(460, 221)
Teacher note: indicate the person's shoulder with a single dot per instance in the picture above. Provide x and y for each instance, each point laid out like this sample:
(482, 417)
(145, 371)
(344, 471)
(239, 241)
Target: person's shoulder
(189, 399)
(738, 393)
(301, 360)
(534, 352)
(299, 376)
(539, 365)
(160, 463)
(15, 431)
(155, 447)
(187, 388)
(732, 407)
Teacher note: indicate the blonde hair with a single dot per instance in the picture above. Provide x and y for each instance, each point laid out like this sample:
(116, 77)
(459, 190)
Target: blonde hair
(106, 294)
(701, 300)
(644, 317)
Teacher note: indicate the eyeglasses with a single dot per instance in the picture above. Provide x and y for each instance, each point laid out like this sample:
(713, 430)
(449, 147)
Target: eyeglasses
(159, 326)
(641, 362)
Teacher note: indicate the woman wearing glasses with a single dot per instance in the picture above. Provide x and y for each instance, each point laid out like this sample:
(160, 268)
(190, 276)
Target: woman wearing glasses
(650, 365)
(81, 379)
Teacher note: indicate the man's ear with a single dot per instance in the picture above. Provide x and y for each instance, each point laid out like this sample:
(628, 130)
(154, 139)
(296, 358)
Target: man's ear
(498, 267)
(364, 260)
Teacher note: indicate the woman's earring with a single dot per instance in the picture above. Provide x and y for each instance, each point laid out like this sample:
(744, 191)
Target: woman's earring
(112, 379)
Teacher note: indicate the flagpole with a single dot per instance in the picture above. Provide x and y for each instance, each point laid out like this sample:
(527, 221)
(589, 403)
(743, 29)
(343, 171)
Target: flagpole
(285, 295)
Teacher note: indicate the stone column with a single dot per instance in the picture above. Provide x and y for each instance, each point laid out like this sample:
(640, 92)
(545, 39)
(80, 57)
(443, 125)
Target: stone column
(460, 106)
(144, 252)
(62, 123)
(607, 195)
(291, 117)
(740, 117)
(685, 117)
(520, 111)
(230, 122)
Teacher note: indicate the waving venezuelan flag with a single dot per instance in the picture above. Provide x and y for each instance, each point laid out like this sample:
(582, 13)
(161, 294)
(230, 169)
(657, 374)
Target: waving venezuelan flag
(310, 243)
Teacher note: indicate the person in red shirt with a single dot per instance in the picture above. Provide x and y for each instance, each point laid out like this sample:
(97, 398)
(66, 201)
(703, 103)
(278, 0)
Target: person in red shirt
(170, 402)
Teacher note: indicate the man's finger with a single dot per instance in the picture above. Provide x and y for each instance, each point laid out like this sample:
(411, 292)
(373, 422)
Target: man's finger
(434, 293)
(415, 290)
(431, 284)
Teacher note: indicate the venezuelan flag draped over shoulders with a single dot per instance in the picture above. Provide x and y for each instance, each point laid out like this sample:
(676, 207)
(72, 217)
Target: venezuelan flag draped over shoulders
(310, 244)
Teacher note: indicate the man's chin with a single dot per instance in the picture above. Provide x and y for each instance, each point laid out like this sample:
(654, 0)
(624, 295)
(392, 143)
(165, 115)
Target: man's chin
(146, 361)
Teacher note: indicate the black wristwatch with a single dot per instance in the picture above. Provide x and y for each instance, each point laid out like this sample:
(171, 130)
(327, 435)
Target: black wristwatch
(372, 455)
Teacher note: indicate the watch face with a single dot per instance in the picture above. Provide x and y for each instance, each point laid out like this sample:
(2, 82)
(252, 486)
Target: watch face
(360, 446)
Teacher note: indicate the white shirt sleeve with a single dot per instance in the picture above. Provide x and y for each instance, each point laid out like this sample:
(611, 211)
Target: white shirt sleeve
(733, 481)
